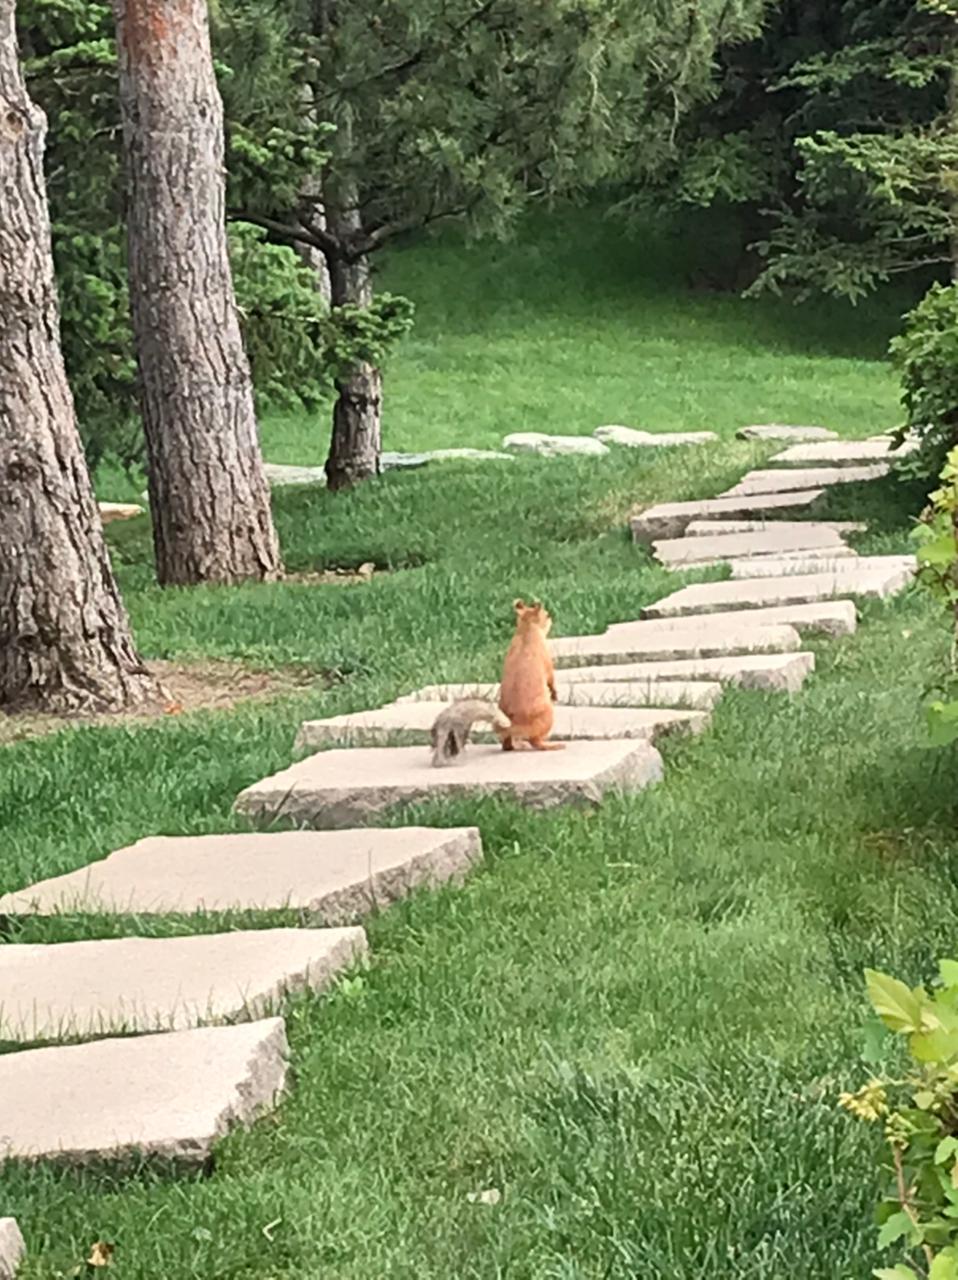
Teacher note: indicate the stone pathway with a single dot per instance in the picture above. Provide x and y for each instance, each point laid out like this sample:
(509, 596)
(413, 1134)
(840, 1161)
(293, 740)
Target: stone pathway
(176, 1086)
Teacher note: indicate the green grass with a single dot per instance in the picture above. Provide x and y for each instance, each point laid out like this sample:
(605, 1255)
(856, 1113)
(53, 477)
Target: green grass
(572, 325)
(632, 1022)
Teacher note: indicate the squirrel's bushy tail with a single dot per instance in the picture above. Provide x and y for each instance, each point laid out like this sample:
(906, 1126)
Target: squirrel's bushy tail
(452, 727)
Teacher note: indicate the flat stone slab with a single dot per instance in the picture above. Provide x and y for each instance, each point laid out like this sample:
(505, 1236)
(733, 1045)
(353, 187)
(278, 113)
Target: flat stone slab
(344, 787)
(845, 453)
(109, 511)
(66, 989)
(415, 719)
(171, 1095)
(787, 480)
(12, 1247)
(335, 876)
(712, 597)
(779, 431)
(669, 519)
(678, 552)
(828, 617)
(279, 475)
(801, 565)
(664, 643)
(778, 672)
(695, 695)
(547, 446)
(708, 528)
(630, 438)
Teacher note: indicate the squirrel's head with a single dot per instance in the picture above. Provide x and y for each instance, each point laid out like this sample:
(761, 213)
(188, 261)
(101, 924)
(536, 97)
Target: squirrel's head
(532, 615)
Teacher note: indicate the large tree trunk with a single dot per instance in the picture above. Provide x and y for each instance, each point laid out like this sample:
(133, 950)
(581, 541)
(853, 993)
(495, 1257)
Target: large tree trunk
(65, 643)
(209, 498)
(356, 443)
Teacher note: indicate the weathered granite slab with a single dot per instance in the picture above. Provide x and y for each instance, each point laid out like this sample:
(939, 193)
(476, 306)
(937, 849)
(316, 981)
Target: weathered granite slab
(781, 567)
(335, 876)
(12, 1247)
(791, 479)
(547, 446)
(778, 431)
(829, 617)
(669, 519)
(65, 989)
(845, 453)
(797, 589)
(778, 672)
(666, 643)
(344, 787)
(415, 719)
(630, 438)
(696, 695)
(679, 552)
(707, 528)
(109, 511)
(170, 1095)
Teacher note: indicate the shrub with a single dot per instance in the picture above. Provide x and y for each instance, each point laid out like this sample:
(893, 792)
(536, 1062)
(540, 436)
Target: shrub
(926, 355)
(918, 1213)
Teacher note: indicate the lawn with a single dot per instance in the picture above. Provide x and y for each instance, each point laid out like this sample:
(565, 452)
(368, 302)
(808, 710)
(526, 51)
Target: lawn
(632, 1023)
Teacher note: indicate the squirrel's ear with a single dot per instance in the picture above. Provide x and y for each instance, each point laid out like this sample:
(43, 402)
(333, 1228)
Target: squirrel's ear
(518, 605)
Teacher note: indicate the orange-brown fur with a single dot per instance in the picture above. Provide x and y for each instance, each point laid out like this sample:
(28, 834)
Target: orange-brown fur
(528, 687)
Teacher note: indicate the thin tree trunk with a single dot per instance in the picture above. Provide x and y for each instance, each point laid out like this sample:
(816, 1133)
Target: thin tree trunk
(356, 443)
(312, 191)
(953, 126)
(209, 499)
(65, 642)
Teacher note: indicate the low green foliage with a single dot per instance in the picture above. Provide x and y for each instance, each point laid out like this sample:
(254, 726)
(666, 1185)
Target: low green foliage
(937, 538)
(926, 357)
(919, 1111)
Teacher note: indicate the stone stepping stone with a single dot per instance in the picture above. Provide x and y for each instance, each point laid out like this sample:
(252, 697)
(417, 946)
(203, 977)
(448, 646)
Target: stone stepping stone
(666, 643)
(12, 1247)
(798, 564)
(415, 719)
(669, 519)
(335, 876)
(798, 589)
(109, 511)
(778, 672)
(788, 480)
(341, 788)
(547, 446)
(829, 617)
(778, 431)
(630, 438)
(695, 695)
(171, 1095)
(67, 989)
(707, 528)
(679, 552)
(845, 453)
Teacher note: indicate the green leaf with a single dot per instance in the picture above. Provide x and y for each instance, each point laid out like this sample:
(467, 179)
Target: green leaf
(945, 1266)
(934, 1046)
(947, 1147)
(948, 972)
(898, 1008)
(901, 1272)
(898, 1226)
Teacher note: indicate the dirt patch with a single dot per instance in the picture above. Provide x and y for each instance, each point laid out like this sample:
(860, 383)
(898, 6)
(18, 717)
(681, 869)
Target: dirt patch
(210, 685)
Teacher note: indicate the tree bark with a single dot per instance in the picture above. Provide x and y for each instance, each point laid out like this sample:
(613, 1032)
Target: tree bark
(209, 499)
(65, 642)
(356, 443)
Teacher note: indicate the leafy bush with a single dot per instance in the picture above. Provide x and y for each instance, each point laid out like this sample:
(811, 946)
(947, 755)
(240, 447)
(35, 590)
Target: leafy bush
(937, 538)
(926, 353)
(918, 1213)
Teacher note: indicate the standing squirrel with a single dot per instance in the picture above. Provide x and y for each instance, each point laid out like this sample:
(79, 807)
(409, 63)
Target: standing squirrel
(450, 733)
(528, 687)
